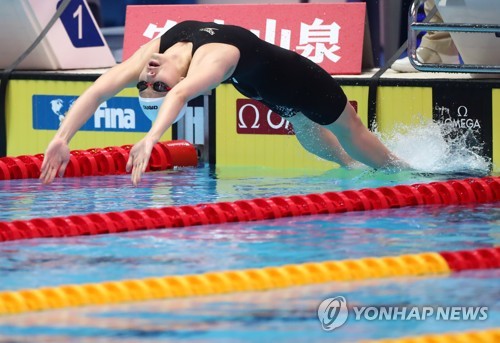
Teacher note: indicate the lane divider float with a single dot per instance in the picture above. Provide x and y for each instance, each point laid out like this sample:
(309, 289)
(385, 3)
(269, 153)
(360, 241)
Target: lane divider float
(257, 279)
(105, 161)
(454, 192)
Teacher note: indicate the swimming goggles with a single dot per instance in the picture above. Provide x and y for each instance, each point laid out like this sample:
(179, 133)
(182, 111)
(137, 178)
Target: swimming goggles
(158, 86)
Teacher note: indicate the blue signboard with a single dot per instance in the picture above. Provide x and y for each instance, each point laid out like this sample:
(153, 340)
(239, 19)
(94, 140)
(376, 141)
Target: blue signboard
(78, 23)
(118, 114)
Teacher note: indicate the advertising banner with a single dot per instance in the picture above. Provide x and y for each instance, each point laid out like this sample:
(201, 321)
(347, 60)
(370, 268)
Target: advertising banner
(116, 114)
(468, 111)
(253, 117)
(328, 34)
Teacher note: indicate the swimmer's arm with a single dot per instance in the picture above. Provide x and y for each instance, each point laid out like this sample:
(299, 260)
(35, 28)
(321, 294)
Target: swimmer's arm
(200, 79)
(106, 86)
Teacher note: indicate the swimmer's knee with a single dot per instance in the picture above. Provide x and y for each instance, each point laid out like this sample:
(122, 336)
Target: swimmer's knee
(347, 122)
(295, 118)
(299, 121)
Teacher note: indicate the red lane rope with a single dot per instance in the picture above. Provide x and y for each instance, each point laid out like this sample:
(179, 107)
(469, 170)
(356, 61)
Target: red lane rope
(106, 161)
(485, 258)
(474, 190)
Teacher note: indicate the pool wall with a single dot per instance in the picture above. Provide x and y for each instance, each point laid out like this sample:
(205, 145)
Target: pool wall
(465, 104)
(243, 132)
(32, 119)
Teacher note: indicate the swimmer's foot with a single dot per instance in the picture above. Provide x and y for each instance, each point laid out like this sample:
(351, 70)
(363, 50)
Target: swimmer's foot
(403, 165)
(397, 165)
(353, 165)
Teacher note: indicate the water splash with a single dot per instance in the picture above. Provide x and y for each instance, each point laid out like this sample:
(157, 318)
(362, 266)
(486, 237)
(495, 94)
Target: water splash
(436, 147)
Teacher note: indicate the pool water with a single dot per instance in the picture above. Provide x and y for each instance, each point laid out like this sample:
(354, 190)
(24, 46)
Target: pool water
(280, 315)
(283, 315)
(200, 249)
(24, 199)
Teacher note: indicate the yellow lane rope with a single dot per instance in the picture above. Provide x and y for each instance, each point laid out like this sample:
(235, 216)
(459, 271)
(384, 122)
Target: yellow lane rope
(220, 282)
(484, 336)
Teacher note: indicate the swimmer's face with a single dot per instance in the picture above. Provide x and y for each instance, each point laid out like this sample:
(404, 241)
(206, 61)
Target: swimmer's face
(155, 79)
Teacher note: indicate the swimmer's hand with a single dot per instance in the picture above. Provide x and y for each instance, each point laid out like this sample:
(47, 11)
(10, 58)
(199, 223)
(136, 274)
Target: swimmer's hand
(55, 161)
(139, 158)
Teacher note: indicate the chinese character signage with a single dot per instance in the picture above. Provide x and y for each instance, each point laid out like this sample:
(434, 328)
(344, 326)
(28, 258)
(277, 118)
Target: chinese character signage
(328, 34)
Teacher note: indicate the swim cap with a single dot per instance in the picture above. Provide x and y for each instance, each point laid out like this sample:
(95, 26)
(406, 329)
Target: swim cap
(151, 106)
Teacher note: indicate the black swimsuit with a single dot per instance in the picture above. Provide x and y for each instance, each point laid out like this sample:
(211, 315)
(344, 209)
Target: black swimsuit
(283, 80)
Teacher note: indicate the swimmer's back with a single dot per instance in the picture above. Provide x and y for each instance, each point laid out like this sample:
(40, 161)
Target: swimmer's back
(201, 33)
(282, 79)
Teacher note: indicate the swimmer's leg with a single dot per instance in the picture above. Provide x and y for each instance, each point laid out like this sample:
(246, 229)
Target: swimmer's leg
(360, 143)
(318, 140)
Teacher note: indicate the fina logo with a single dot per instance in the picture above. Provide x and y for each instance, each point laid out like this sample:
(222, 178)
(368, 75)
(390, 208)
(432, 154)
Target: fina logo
(58, 108)
(150, 107)
(114, 118)
(332, 313)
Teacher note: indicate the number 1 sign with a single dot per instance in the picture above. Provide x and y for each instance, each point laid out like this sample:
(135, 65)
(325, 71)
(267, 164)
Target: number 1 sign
(75, 18)
(74, 42)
